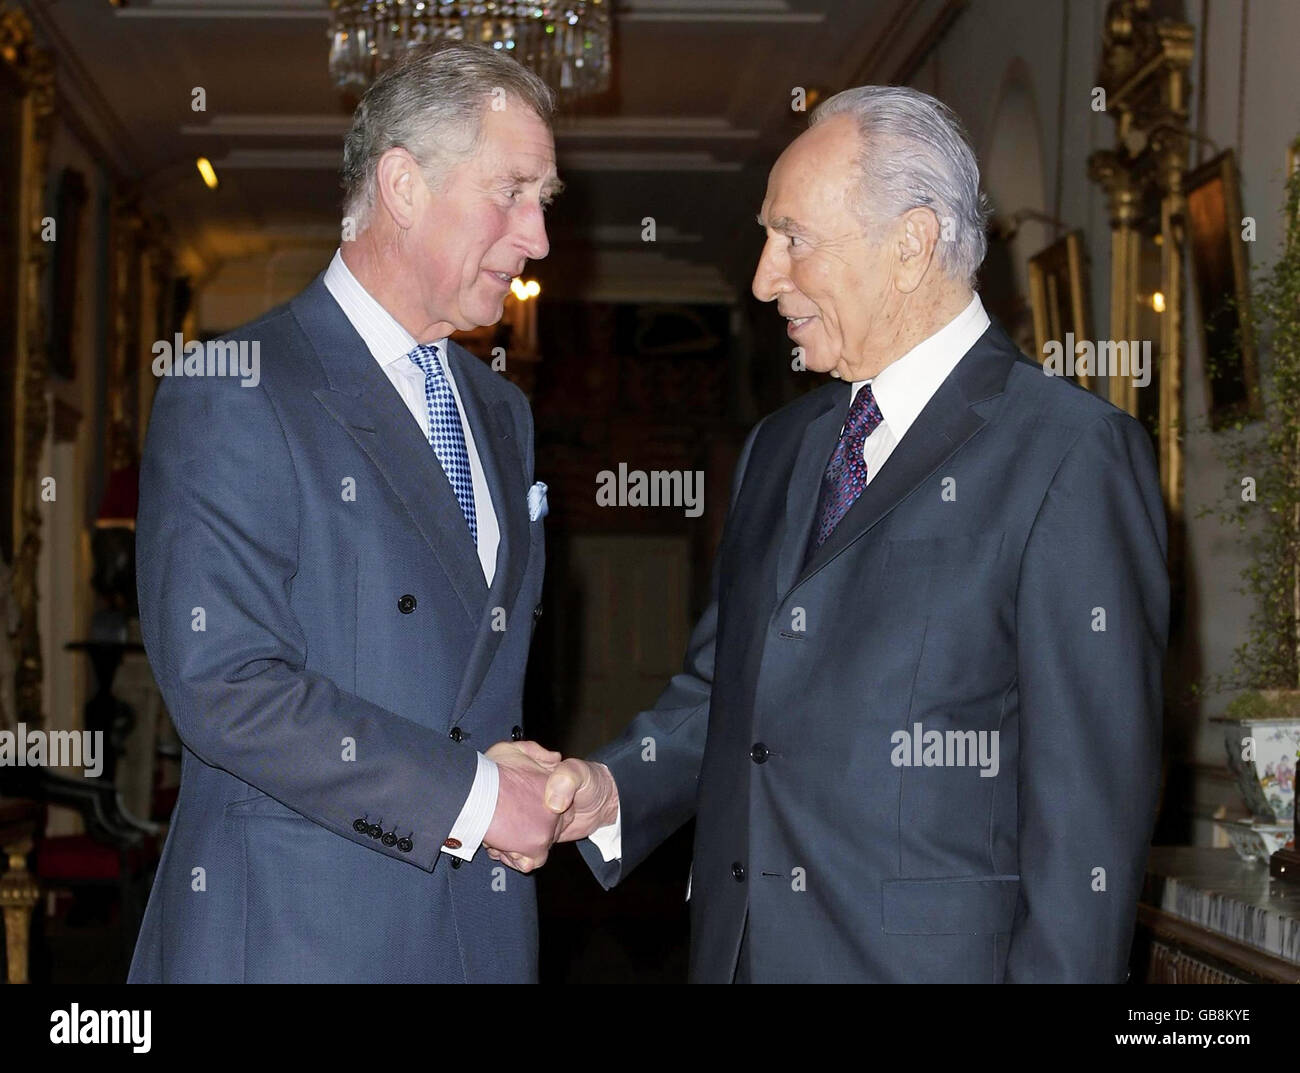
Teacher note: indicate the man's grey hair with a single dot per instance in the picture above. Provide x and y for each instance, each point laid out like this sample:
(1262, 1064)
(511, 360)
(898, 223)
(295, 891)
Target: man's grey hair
(432, 105)
(915, 152)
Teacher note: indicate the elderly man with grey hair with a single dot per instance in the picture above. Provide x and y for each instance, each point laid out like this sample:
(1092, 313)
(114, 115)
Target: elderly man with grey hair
(918, 727)
(339, 567)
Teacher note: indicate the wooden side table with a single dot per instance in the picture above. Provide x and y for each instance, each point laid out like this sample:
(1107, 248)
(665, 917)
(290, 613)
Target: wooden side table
(19, 892)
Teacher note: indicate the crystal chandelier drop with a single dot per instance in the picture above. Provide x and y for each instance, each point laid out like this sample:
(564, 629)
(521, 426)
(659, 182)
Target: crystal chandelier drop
(566, 43)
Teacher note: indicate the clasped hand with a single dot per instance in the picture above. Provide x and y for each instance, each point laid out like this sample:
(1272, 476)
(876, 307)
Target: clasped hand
(543, 799)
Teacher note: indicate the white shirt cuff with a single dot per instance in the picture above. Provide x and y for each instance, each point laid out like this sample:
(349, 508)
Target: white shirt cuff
(476, 815)
(609, 839)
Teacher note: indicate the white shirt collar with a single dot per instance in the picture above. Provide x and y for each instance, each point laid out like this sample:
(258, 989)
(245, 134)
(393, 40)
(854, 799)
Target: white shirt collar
(904, 387)
(384, 337)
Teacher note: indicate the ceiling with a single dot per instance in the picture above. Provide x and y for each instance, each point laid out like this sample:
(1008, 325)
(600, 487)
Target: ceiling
(700, 108)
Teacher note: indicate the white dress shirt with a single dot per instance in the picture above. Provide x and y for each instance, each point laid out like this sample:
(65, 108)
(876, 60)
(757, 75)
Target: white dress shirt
(904, 387)
(902, 390)
(390, 345)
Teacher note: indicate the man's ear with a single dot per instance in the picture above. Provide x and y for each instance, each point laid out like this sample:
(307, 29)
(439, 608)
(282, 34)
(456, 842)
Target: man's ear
(919, 238)
(397, 178)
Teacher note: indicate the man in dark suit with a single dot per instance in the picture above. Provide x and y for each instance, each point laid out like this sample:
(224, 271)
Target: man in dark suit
(918, 726)
(339, 562)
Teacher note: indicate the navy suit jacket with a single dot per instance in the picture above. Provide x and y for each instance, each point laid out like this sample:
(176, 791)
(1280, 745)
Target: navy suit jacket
(1003, 572)
(317, 619)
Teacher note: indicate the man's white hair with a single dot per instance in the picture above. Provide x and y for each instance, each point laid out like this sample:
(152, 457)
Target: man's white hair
(915, 152)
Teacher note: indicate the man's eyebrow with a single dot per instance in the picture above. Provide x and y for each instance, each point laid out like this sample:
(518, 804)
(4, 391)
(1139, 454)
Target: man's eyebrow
(782, 224)
(550, 188)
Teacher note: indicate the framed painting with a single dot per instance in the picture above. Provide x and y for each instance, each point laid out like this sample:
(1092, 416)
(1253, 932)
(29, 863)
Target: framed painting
(1221, 284)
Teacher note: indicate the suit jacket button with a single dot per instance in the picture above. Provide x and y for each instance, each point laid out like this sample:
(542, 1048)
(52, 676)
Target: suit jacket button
(516, 733)
(738, 872)
(361, 827)
(537, 612)
(389, 839)
(405, 845)
(456, 862)
(457, 734)
(406, 604)
(375, 831)
(759, 753)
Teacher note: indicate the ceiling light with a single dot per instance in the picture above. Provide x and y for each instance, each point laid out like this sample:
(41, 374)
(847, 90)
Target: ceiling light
(567, 45)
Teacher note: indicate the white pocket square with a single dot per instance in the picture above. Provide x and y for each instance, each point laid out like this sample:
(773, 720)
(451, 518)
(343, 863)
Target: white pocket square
(537, 507)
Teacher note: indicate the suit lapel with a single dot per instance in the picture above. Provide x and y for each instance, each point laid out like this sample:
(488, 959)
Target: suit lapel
(369, 409)
(949, 419)
(503, 466)
(819, 439)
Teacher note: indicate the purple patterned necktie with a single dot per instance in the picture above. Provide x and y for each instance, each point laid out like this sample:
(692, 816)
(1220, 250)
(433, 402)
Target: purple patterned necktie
(846, 474)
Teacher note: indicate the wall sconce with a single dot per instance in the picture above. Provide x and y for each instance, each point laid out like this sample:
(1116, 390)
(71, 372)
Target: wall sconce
(208, 172)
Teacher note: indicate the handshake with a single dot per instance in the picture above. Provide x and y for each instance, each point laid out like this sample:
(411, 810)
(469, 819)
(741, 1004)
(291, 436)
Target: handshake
(543, 799)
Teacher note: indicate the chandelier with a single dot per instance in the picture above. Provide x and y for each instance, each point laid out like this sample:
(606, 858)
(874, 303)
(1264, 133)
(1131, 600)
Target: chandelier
(566, 44)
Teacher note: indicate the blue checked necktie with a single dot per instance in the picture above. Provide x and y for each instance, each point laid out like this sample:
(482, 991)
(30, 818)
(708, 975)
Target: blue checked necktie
(846, 473)
(446, 436)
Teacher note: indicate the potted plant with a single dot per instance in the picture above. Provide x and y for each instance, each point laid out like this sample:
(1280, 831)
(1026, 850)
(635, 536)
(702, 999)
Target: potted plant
(1262, 725)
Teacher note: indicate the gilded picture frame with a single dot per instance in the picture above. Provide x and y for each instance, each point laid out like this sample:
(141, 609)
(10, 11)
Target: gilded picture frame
(1220, 279)
(26, 111)
(1058, 296)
